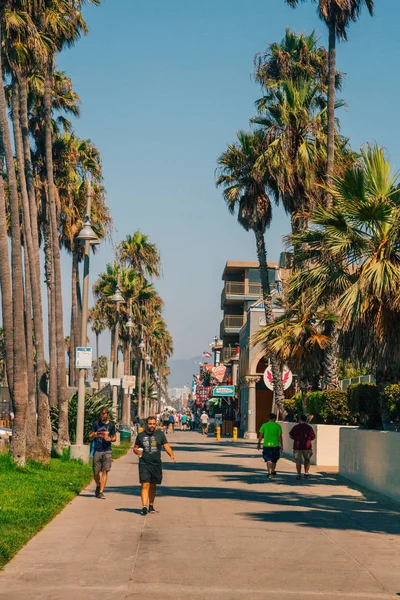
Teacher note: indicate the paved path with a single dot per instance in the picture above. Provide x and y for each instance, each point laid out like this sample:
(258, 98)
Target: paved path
(224, 532)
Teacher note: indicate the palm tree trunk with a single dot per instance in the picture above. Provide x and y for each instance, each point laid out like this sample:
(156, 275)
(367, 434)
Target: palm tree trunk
(48, 269)
(331, 359)
(63, 436)
(32, 261)
(32, 441)
(5, 286)
(20, 376)
(331, 98)
(269, 316)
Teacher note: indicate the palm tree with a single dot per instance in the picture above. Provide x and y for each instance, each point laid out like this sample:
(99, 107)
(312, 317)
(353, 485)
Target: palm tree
(140, 254)
(20, 377)
(298, 338)
(244, 190)
(337, 15)
(354, 253)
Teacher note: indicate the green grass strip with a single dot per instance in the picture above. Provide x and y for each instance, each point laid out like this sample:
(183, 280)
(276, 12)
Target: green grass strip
(32, 496)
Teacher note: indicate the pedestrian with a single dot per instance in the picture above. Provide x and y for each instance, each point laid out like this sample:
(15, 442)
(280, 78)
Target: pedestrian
(302, 435)
(271, 436)
(102, 435)
(165, 418)
(172, 422)
(193, 421)
(204, 423)
(147, 447)
(184, 421)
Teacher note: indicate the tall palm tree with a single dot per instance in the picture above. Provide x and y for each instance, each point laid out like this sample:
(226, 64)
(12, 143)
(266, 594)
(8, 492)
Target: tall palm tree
(244, 190)
(20, 377)
(337, 15)
(354, 253)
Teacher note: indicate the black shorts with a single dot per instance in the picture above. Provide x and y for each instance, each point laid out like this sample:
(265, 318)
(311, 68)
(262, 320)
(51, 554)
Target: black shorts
(150, 472)
(271, 454)
(166, 423)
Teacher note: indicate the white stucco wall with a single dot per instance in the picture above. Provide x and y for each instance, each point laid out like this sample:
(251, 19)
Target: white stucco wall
(371, 459)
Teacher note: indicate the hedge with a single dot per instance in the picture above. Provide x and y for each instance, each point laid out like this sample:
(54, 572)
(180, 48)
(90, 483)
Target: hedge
(330, 407)
(391, 401)
(294, 407)
(363, 398)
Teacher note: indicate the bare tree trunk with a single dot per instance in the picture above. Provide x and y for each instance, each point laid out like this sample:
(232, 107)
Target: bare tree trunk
(63, 435)
(5, 286)
(276, 370)
(20, 376)
(32, 262)
(331, 99)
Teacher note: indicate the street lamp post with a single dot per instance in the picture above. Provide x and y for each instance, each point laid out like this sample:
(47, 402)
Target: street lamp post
(118, 298)
(142, 347)
(79, 450)
(146, 384)
(127, 399)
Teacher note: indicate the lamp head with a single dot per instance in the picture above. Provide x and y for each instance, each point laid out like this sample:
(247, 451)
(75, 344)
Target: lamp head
(117, 296)
(87, 234)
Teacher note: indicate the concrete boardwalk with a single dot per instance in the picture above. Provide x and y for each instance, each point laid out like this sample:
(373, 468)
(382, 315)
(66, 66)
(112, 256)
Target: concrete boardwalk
(224, 531)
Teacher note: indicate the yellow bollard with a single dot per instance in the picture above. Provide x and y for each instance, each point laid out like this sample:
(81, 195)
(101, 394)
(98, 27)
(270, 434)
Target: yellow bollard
(218, 433)
(235, 434)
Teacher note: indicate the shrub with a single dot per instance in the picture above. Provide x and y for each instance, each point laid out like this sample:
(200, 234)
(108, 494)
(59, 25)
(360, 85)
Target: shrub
(294, 407)
(93, 405)
(335, 409)
(314, 403)
(363, 398)
(391, 401)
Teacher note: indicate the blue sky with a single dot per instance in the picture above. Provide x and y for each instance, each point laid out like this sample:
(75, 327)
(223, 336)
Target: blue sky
(164, 86)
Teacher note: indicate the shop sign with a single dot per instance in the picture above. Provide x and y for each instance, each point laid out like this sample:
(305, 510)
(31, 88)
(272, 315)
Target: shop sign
(83, 358)
(224, 391)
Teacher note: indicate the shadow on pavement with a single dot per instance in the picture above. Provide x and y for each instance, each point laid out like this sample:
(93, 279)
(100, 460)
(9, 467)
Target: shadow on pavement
(136, 511)
(369, 513)
(211, 467)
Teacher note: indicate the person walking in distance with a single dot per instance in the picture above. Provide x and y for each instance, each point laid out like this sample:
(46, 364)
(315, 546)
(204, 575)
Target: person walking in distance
(204, 423)
(102, 435)
(271, 437)
(302, 435)
(165, 420)
(147, 447)
(172, 422)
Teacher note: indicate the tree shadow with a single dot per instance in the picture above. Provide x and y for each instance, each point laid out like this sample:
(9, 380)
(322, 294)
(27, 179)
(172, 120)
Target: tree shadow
(135, 511)
(211, 467)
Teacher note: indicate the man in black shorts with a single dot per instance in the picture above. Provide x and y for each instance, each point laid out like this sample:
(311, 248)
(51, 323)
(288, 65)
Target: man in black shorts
(148, 446)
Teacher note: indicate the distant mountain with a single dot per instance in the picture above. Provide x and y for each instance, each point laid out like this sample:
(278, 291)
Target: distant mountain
(182, 371)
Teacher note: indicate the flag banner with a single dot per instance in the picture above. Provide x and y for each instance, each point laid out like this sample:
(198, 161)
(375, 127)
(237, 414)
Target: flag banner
(207, 355)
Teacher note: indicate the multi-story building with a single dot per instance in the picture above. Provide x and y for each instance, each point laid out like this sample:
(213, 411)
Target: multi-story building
(242, 287)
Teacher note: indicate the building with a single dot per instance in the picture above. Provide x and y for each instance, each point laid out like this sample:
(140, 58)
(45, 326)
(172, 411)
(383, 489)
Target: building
(243, 315)
(242, 287)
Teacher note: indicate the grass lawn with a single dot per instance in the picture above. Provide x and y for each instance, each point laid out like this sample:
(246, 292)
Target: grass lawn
(31, 496)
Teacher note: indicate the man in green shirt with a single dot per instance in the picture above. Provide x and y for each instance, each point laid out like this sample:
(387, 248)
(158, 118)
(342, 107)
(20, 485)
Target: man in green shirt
(271, 436)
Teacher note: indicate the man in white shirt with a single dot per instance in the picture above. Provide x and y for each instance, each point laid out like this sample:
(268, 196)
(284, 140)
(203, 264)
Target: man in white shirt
(204, 423)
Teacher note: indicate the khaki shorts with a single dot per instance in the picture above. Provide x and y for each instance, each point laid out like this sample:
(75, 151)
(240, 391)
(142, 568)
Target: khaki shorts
(300, 454)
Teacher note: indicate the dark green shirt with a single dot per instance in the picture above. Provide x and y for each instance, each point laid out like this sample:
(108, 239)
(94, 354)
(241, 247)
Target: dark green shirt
(151, 444)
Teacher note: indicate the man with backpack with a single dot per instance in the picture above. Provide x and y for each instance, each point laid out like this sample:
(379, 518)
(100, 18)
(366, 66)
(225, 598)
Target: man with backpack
(102, 435)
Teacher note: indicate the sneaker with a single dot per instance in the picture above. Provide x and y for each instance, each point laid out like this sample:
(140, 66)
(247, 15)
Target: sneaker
(268, 475)
(144, 511)
(306, 476)
(152, 509)
(97, 492)
(273, 474)
(298, 477)
(101, 496)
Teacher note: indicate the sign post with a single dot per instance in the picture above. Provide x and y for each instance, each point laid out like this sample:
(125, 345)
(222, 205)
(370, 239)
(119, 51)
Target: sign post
(83, 358)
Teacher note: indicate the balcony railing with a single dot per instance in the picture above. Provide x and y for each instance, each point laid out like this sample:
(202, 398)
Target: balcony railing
(255, 289)
(233, 321)
(235, 288)
(228, 353)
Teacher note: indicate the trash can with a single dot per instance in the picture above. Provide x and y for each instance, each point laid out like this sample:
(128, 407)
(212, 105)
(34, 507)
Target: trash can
(125, 433)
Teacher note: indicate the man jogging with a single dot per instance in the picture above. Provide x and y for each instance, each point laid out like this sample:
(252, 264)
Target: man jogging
(102, 434)
(147, 447)
(271, 436)
(303, 436)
